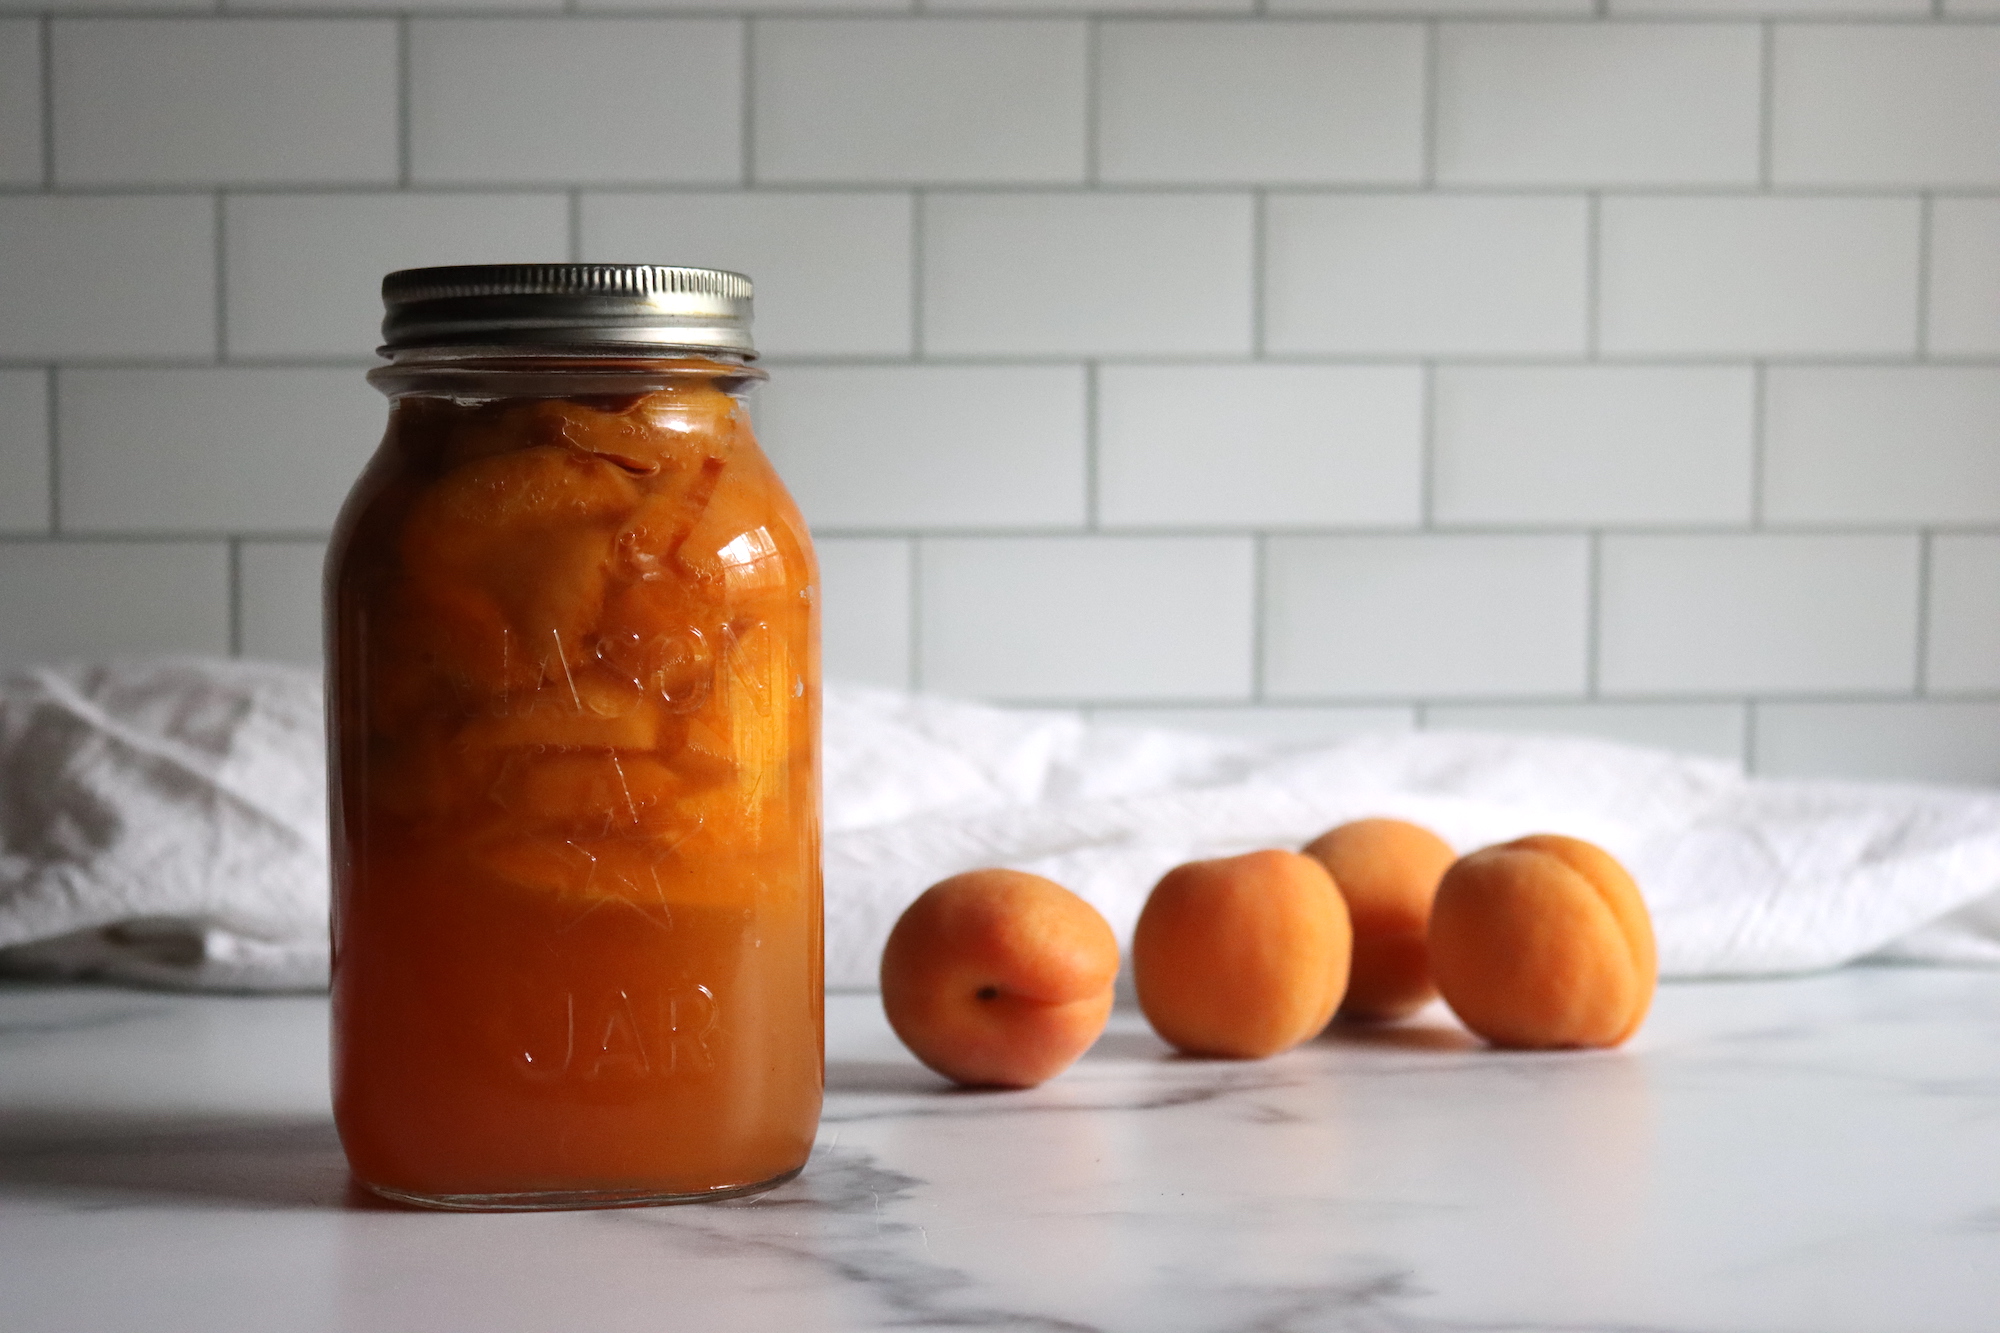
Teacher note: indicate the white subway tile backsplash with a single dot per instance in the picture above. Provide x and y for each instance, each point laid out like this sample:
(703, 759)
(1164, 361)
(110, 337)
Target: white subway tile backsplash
(929, 446)
(1250, 101)
(135, 7)
(1874, 105)
(1758, 276)
(1965, 277)
(211, 450)
(425, 7)
(1757, 613)
(1104, 618)
(1418, 274)
(1427, 8)
(1293, 726)
(24, 451)
(865, 609)
(1090, 6)
(1425, 616)
(1715, 730)
(20, 102)
(832, 269)
(1749, 9)
(1287, 370)
(1593, 446)
(303, 272)
(1087, 274)
(1905, 741)
(231, 101)
(1591, 103)
(1260, 446)
(278, 600)
(1882, 444)
(95, 276)
(67, 600)
(594, 100)
(856, 8)
(919, 100)
(1963, 614)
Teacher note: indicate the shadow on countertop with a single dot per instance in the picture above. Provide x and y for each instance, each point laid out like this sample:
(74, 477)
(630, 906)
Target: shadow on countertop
(885, 1078)
(97, 1160)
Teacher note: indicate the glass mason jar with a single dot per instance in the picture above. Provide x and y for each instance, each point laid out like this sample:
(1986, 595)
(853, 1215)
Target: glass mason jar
(573, 705)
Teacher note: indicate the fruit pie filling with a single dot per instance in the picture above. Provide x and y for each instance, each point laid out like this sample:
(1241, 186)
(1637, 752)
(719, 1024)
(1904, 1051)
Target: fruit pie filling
(577, 920)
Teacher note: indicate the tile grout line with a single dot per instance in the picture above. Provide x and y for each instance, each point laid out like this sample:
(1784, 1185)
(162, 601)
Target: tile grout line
(1184, 188)
(1260, 562)
(1404, 359)
(1259, 266)
(1428, 167)
(1593, 616)
(1593, 275)
(1926, 548)
(747, 112)
(919, 222)
(221, 259)
(989, 10)
(1759, 392)
(1091, 518)
(1926, 220)
(1427, 374)
(52, 380)
(1040, 532)
(1093, 81)
(1932, 11)
(48, 72)
(236, 597)
(915, 665)
(1767, 81)
(404, 134)
(204, 537)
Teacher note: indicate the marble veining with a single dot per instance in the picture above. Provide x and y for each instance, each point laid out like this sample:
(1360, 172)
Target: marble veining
(1816, 1155)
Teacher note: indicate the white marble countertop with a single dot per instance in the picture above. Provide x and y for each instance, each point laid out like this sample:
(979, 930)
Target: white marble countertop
(1817, 1155)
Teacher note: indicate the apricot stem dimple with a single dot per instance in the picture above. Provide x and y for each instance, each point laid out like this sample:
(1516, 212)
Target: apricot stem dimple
(987, 993)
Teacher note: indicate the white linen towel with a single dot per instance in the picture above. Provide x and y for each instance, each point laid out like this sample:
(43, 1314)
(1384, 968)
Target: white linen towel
(163, 823)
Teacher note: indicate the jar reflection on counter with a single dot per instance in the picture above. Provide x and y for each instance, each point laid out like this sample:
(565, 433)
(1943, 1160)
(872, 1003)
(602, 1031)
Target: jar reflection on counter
(574, 698)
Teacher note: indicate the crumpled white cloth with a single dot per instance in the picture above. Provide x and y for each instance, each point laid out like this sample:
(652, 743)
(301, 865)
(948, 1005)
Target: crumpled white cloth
(163, 822)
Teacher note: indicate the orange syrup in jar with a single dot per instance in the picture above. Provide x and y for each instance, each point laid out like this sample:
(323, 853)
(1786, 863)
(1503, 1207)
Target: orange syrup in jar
(573, 699)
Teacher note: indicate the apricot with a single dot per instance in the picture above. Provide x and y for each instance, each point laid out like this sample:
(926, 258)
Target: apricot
(507, 559)
(1242, 957)
(1387, 872)
(1543, 942)
(997, 978)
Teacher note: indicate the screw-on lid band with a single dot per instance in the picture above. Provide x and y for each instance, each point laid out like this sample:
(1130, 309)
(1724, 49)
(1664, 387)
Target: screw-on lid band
(567, 306)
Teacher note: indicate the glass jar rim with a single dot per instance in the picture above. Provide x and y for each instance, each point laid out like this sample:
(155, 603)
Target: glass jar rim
(487, 372)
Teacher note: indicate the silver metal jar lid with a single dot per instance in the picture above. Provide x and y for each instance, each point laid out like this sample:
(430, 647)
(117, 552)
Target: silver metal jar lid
(627, 307)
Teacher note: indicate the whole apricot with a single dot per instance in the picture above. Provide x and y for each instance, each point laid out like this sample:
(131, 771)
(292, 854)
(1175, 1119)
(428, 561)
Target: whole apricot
(998, 978)
(1543, 942)
(1387, 872)
(1242, 957)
